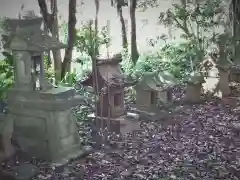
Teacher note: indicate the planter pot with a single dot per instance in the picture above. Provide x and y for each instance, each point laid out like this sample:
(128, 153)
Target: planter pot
(6, 130)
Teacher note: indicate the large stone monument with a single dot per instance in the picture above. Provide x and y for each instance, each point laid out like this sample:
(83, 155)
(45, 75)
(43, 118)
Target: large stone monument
(44, 125)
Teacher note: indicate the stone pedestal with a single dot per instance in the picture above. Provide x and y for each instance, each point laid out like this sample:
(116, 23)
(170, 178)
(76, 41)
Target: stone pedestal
(224, 82)
(111, 124)
(234, 77)
(44, 125)
(6, 130)
(165, 96)
(193, 93)
(194, 88)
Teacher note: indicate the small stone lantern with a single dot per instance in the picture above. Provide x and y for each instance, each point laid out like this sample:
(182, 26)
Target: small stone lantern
(224, 72)
(194, 87)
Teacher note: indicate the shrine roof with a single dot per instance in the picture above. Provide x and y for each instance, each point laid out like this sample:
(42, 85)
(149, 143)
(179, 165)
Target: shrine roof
(110, 71)
(42, 41)
(29, 30)
(157, 81)
(12, 24)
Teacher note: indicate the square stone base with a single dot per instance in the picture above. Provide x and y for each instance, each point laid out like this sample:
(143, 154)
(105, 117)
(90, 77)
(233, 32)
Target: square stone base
(193, 94)
(234, 77)
(49, 135)
(111, 124)
(6, 130)
(121, 125)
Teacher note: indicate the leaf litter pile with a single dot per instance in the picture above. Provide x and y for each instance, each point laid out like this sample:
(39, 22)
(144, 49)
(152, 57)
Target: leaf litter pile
(204, 144)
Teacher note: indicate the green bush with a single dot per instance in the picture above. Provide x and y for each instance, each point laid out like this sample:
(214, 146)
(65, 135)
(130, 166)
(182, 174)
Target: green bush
(6, 76)
(176, 58)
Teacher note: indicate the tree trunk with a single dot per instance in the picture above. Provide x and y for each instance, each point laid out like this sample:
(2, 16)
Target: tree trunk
(134, 50)
(235, 12)
(66, 65)
(123, 26)
(51, 21)
(96, 48)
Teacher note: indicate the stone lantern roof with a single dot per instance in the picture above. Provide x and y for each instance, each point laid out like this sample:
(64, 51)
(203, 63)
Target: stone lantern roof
(26, 34)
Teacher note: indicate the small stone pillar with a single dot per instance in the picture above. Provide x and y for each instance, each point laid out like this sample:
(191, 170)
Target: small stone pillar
(22, 69)
(194, 87)
(165, 95)
(223, 67)
(224, 80)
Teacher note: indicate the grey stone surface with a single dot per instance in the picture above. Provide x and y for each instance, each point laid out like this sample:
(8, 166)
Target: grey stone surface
(44, 125)
(25, 172)
(6, 129)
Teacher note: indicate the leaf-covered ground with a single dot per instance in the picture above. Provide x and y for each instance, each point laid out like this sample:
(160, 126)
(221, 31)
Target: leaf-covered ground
(203, 145)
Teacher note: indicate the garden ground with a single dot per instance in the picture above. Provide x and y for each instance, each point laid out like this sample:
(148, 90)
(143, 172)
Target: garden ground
(202, 145)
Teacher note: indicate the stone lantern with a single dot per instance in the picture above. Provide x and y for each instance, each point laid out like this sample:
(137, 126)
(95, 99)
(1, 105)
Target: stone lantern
(44, 124)
(194, 87)
(27, 42)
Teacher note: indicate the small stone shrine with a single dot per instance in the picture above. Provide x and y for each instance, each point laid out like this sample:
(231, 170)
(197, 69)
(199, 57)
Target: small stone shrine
(110, 110)
(44, 125)
(194, 88)
(152, 88)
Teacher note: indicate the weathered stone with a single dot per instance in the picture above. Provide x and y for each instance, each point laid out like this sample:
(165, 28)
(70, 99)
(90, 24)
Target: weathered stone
(44, 125)
(154, 87)
(224, 82)
(6, 129)
(193, 93)
(25, 172)
(194, 88)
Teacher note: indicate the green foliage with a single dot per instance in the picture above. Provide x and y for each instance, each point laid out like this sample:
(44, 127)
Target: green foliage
(171, 57)
(198, 22)
(143, 5)
(6, 76)
(48, 69)
(88, 41)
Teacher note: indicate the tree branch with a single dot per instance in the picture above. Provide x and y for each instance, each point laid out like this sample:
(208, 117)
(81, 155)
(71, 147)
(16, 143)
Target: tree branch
(48, 18)
(71, 36)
